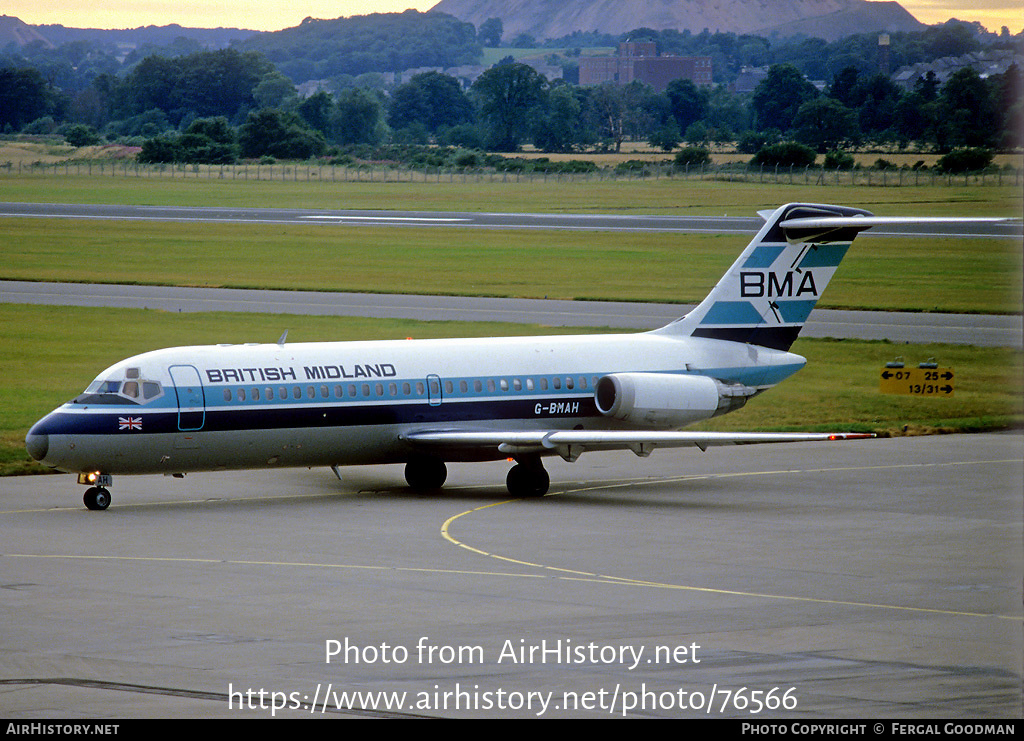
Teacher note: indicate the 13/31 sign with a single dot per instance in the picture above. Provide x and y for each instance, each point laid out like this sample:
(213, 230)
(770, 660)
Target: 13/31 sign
(917, 381)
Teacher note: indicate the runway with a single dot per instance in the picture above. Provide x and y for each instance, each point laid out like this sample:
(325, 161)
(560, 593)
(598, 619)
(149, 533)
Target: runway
(718, 224)
(864, 579)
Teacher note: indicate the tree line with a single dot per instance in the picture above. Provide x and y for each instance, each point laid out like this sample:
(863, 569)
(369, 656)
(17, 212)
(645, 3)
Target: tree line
(218, 106)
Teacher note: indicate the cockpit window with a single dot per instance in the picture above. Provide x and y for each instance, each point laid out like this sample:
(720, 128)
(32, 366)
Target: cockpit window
(111, 391)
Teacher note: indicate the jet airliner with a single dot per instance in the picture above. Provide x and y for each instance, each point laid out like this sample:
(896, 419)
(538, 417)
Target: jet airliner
(427, 402)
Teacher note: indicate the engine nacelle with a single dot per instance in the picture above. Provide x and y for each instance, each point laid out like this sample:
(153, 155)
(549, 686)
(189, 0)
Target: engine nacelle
(666, 400)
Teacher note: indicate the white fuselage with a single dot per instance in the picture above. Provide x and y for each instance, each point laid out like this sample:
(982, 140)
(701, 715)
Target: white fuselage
(344, 403)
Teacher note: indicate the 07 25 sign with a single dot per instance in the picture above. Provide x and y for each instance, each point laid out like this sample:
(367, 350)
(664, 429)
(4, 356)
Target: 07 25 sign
(917, 381)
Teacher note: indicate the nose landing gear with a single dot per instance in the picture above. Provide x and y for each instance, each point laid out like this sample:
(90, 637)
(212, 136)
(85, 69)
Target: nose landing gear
(96, 497)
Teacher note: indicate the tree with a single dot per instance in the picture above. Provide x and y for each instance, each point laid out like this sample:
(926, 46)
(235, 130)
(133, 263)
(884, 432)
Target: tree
(667, 137)
(877, 99)
(432, 99)
(558, 127)
(689, 103)
(213, 83)
(316, 111)
(779, 96)
(489, 33)
(24, 97)
(80, 135)
(824, 124)
(279, 134)
(785, 154)
(607, 107)
(358, 118)
(965, 160)
(967, 117)
(508, 95)
(275, 90)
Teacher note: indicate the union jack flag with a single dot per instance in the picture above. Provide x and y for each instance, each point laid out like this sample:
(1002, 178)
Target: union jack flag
(129, 423)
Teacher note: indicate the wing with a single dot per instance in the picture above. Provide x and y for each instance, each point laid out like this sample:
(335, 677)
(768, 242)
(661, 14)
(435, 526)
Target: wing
(570, 444)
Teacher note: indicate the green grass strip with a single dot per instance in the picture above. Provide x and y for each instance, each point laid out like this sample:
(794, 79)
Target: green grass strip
(912, 274)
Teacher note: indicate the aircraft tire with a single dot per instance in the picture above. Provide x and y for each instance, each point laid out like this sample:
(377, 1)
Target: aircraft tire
(527, 481)
(96, 498)
(426, 474)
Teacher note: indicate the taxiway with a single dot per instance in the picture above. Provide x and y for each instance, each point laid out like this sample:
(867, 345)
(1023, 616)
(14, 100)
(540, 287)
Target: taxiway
(876, 578)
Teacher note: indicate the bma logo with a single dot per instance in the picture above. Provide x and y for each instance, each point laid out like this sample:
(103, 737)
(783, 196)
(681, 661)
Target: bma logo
(756, 285)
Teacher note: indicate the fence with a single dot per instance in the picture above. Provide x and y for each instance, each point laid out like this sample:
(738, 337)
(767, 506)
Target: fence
(317, 172)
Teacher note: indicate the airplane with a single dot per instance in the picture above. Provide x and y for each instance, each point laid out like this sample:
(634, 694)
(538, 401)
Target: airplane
(427, 402)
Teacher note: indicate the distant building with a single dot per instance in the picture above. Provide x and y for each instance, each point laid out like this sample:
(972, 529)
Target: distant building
(638, 61)
(985, 63)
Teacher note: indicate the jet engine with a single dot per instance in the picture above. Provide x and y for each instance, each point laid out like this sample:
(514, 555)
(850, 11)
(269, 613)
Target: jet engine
(666, 400)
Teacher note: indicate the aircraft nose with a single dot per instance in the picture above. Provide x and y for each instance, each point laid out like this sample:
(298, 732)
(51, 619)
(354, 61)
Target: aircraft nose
(37, 442)
(37, 445)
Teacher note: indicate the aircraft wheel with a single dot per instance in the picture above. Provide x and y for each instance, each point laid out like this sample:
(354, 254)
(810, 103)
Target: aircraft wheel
(97, 498)
(426, 474)
(527, 481)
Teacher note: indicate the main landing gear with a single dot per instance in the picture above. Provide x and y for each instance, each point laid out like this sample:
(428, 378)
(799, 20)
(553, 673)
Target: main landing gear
(426, 474)
(528, 479)
(525, 479)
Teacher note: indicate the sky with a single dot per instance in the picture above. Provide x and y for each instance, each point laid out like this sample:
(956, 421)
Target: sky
(273, 15)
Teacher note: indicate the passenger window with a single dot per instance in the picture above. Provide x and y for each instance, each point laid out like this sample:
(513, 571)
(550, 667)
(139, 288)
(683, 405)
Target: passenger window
(241, 394)
(296, 392)
(477, 385)
(352, 390)
(517, 384)
(255, 394)
(227, 394)
(406, 388)
(448, 387)
(324, 392)
(556, 383)
(568, 382)
(393, 389)
(270, 393)
(366, 389)
(490, 384)
(504, 384)
(543, 384)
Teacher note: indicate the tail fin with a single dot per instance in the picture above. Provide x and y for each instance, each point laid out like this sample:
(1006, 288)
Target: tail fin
(768, 293)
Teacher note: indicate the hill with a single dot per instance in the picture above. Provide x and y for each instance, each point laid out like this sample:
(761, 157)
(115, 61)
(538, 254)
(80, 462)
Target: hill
(548, 19)
(14, 31)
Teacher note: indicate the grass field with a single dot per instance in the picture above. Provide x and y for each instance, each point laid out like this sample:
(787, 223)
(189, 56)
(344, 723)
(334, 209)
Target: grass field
(948, 275)
(51, 353)
(41, 150)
